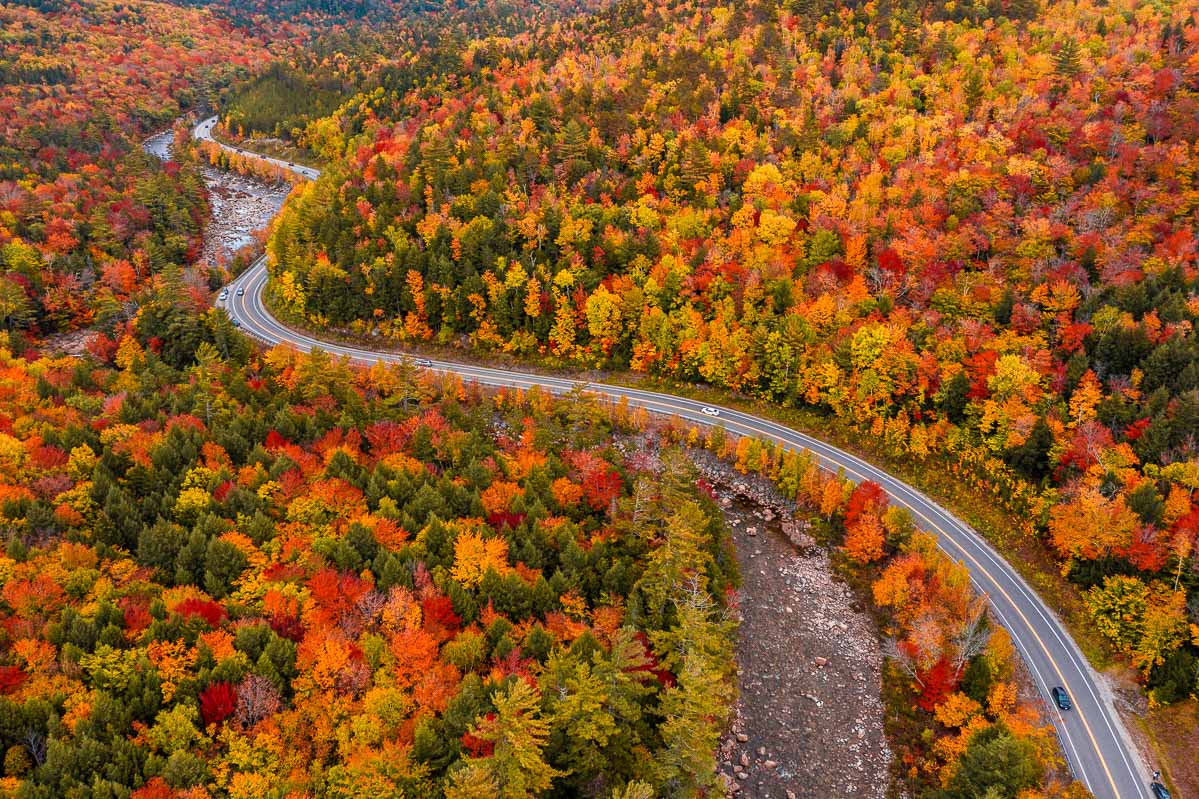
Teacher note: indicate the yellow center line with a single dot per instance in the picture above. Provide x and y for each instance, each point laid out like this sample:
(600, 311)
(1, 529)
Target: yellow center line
(849, 468)
(982, 569)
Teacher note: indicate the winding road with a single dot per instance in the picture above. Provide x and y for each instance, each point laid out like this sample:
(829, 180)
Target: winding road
(1094, 739)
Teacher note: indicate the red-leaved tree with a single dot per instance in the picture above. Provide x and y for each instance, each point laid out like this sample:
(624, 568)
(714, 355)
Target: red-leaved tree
(217, 702)
(211, 612)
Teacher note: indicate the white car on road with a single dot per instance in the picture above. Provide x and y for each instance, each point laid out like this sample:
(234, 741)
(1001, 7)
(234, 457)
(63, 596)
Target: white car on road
(708, 410)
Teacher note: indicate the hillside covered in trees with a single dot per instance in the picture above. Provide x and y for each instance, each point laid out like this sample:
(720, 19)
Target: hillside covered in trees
(85, 216)
(967, 231)
(231, 574)
(284, 577)
(417, 44)
(964, 229)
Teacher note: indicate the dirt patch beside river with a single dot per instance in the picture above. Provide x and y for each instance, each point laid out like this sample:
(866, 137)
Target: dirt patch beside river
(809, 722)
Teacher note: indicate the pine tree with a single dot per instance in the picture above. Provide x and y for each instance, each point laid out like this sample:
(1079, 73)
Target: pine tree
(678, 563)
(695, 167)
(581, 725)
(1023, 9)
(206, 373)
(573, 146)
(516, 768)
(808, 11)
(973, 89)
(624, 674)
(1164, 40)
(474, 781)
(995, 763)
(437, 155)
(695, 708)
(955, 396)
(1032, 457)
(809, 135)
(634, 790)
(1067, 61)
(15, 310)
(223, 564)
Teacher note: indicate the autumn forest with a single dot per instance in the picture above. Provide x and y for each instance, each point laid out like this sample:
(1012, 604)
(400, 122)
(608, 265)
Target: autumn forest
(958, 239)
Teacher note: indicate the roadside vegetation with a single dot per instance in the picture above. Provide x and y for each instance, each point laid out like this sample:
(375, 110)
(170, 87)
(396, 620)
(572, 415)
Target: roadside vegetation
(274, 573)
(947, 235)
(957, 721)
(959, 238)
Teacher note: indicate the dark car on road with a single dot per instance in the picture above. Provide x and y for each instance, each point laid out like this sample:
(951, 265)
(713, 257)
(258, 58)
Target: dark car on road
(1061, 698)
(1159, 791)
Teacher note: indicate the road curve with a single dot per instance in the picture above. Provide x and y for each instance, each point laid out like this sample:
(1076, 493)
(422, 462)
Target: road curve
(1094, 740)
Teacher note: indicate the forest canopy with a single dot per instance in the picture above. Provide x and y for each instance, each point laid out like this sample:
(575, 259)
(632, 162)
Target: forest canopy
(964, 232)
(283, 576)
(969, 234)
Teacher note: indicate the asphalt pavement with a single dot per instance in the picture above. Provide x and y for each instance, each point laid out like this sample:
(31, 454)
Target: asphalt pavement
(1094, 740)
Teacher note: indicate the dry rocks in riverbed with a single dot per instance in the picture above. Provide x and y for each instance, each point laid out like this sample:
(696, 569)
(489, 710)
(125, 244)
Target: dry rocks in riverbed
(809, 722)
(240, 206)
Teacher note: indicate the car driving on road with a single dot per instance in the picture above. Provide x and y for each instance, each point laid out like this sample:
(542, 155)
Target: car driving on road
(708, 410)
(1061, 698)
(424, 363)
(241, 292)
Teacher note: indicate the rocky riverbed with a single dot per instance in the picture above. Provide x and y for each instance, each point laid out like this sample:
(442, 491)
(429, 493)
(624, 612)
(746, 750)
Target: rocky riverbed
(241, 206)
(809, 721)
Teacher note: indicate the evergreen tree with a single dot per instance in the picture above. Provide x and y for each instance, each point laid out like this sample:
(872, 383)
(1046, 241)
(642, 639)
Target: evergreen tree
(516, 768)
(686, 762)
(634, 790)
(995, 764)
(1067, 62)
(15, 308)
(695, 167)
(973, 89)
(1023, 9)
(1032, 457)
(223, 563)
(573, 146)
(472, 781)
(809, 135)
(580, 724)
(955, 396)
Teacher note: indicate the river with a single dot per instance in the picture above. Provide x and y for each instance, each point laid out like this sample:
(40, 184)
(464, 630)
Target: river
(241, 206)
